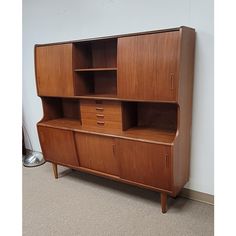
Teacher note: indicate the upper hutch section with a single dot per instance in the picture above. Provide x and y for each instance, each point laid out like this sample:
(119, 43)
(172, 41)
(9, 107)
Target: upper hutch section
(146, 66)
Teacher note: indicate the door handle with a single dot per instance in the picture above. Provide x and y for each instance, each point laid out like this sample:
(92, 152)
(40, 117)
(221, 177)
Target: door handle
(172, 81)
(166, 161)
(113, 149)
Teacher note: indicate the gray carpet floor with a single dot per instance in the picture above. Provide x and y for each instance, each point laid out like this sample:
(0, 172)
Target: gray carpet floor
(79, 204)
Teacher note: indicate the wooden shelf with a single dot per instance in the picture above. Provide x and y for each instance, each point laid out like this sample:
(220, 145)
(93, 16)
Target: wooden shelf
(152, 134)
(95, 69)
(99, 96)
(144, 134)
(62, 123)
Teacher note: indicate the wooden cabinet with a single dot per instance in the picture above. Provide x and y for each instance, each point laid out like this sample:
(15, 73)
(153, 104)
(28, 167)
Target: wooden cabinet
(97, 153)
(58, 146)
(54, 70)
(120, 107)
(145, 163)
(147, 66)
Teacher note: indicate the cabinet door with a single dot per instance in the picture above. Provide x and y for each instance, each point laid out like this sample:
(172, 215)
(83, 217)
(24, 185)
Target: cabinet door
(58, 145)
(144, 163)
(97, 153)
(54, 73)
(147, 66)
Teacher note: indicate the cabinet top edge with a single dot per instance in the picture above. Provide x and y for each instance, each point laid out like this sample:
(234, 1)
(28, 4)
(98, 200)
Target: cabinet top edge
(116, 36)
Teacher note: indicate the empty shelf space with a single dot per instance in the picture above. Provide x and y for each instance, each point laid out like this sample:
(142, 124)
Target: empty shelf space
(62, 123)
(96, 83)
(151, 134)
(95, 69)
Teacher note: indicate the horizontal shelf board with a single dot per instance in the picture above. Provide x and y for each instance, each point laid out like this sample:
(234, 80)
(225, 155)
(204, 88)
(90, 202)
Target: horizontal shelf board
(99, 96)
(109, 97)
(95, 69)
(150, 135)
(66, 123)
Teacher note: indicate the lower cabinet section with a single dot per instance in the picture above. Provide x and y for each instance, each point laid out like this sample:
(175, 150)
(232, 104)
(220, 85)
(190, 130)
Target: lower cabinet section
(135, 161)
(58, 145)
(144, 163)
(97, 153)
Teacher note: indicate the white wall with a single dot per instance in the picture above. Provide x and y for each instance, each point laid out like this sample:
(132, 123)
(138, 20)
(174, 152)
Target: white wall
(62, 20)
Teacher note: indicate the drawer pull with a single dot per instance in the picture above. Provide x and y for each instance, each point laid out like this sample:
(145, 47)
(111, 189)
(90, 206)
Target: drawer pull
(100, 115)
(100, 122)
(99, 108)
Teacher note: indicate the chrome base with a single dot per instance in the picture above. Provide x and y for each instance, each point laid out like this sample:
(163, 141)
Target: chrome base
(33, 159)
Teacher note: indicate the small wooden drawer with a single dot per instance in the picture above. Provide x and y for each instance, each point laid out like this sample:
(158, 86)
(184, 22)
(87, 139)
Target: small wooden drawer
(102, 125)
(102, 115)
(97, 106)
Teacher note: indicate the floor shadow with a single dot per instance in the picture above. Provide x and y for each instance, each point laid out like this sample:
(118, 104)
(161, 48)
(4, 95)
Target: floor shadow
(173, 203)
(112, 184)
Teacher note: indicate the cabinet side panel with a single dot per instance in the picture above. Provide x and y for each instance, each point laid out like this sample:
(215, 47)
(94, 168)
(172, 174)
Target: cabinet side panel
(182, 144)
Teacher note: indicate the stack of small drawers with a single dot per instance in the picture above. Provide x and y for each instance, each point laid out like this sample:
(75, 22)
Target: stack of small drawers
(101, 115)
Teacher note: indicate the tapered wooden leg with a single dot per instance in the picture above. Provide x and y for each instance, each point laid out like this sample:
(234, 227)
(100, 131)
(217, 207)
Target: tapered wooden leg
(164, 202)
(54, 166)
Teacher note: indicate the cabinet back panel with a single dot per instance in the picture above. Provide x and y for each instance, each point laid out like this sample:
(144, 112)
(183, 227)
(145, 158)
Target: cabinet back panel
(82, 55)
(158, 115)
(105, 83)
(71, 108)
(96, 54)
(52, 108)
(104, 53)
(84, 83)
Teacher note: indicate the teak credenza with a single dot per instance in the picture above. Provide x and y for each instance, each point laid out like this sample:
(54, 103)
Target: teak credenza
(120, 107)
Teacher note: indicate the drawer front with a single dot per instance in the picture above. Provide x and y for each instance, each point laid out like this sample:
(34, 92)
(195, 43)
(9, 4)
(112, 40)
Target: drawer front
(101, 115)
(106, 107)
(101, 125)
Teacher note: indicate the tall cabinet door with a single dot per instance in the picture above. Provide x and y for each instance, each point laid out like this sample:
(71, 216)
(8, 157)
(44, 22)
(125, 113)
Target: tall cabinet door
(97, 153)
(58, 145)
(147, 66)
(54, 72)
(144, 163)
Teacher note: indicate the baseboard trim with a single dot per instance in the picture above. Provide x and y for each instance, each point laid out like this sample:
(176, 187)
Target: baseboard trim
(197, 196)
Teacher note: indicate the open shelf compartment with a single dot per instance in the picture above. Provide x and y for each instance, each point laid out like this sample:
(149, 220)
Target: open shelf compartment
(153, 121)
(62, 112)
(95, 66)
(96, 83)
(96, 54)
